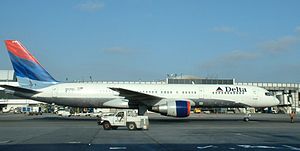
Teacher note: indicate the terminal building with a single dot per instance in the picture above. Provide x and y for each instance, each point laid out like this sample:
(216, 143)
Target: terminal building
(8, 103)
(287, 93)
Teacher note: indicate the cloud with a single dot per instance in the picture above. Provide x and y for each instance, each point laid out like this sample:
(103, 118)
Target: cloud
(238, 55)
(117, 50)
(297, 29)
(90, 6)
(229, 30)
(231, 58)
(282, 44)
(223, 29)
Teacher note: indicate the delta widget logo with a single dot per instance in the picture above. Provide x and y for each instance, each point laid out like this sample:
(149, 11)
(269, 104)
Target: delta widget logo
(231, 89)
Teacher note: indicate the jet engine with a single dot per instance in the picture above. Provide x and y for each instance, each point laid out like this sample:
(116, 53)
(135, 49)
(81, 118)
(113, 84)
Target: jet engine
(175, 108)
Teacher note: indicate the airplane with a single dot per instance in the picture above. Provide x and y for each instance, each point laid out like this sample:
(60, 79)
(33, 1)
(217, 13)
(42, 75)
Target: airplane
(174, 100)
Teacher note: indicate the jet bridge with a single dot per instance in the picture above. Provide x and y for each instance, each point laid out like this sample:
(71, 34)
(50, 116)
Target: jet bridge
(287, 93)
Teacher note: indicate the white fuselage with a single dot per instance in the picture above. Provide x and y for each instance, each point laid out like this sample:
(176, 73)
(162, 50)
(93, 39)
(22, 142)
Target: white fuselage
(100, 95)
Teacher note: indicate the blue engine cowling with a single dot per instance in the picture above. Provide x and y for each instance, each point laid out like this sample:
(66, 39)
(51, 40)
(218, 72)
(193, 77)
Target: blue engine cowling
(177, 108)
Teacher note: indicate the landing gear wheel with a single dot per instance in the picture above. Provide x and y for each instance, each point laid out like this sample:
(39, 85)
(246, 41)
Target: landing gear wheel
(106, 126)
(246, 119)
(131, 126)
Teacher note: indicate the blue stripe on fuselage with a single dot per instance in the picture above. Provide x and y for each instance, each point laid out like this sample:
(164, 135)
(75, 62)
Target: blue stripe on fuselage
(28, 69)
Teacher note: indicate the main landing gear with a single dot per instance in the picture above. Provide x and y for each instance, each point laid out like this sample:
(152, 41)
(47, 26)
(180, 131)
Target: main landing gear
(247, 116)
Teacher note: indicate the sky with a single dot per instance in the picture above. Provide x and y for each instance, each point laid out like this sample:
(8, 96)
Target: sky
(133, 40)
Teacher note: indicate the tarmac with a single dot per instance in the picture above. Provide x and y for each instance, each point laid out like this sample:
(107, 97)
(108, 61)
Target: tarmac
(50, 132)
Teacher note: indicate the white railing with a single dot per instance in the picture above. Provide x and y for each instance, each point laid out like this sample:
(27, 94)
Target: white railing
(275, 85)
(122, 82)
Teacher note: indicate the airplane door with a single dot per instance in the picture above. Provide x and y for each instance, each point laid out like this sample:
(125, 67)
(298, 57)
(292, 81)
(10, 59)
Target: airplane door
(255, 98)
(54, 93)
(204, 94)
(201, 94)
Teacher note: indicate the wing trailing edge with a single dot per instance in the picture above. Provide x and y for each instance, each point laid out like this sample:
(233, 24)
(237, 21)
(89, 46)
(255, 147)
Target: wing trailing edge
(137, 97)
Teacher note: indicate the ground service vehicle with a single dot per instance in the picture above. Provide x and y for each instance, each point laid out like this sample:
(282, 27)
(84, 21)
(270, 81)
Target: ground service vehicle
(122, 118)
(64, 113)
(32, 110)
(197, 110)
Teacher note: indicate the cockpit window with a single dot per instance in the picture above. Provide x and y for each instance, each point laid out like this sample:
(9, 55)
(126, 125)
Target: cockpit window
(269, 94)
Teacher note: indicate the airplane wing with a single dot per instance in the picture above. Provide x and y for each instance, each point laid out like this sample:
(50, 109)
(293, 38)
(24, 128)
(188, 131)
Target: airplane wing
(137, 97)
(19, 89)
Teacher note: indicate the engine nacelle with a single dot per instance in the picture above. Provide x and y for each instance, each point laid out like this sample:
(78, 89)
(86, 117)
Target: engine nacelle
(176, 108)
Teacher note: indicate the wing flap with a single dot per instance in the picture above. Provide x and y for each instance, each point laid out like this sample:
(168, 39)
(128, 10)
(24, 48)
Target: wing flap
(137, 97)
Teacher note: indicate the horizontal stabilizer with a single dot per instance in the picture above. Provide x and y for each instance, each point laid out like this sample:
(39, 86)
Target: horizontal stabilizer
(19, 89)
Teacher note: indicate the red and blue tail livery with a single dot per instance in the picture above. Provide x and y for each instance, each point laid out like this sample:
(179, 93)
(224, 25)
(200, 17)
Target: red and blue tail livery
(25, 65)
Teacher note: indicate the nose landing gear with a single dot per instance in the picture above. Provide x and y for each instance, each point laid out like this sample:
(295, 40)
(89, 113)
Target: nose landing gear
(247, 116)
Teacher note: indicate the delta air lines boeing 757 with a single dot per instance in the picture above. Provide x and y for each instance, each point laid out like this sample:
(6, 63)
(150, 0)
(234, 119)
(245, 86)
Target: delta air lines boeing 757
(167, 99)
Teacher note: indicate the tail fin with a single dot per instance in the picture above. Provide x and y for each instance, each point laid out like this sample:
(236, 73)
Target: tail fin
(28, 70)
